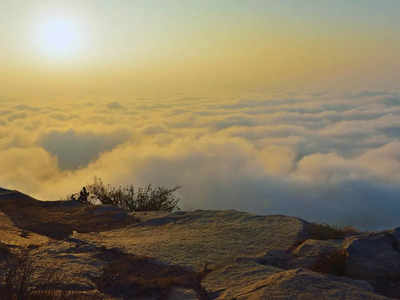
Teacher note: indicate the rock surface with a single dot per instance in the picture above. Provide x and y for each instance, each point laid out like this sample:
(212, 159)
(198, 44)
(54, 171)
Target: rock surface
(228, 255)
(195, 238)
(305, 284)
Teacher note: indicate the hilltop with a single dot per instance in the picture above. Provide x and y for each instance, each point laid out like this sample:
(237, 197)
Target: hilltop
(103, 251)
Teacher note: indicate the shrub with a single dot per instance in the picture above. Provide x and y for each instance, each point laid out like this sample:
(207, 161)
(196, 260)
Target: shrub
(128, 197)
(17, 276)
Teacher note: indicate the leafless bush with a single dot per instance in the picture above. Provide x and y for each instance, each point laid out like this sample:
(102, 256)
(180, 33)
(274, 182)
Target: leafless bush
(128, 197)
(18, 273)
(19, 277)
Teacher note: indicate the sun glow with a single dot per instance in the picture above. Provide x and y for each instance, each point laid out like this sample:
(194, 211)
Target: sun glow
(59, 38)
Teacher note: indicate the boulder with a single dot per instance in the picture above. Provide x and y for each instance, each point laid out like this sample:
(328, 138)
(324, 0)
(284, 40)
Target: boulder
(314, 248)
(373, 256)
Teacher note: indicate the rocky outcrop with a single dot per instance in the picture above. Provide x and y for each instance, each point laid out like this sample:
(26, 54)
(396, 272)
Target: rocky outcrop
(373, 256)
(102, 250)
(58, 219)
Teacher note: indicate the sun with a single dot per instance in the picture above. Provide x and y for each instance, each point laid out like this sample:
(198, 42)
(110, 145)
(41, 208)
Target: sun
(59, 38)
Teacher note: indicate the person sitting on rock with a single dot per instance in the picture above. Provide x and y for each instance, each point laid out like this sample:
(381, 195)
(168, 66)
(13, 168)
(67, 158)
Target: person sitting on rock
(83, 196)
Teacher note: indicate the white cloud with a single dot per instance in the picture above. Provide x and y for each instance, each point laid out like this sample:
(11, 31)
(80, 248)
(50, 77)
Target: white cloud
(321, 157)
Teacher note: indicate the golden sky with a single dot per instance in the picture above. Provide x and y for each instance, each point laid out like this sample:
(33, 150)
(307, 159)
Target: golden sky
(125, 48)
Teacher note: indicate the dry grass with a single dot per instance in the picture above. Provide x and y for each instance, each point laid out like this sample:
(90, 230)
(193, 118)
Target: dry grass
(19, 277)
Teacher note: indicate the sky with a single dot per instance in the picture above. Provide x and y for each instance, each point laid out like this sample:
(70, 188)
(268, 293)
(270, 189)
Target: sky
(272, 107)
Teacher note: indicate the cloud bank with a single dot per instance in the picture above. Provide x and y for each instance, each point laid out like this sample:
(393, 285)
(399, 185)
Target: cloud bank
(323, 157)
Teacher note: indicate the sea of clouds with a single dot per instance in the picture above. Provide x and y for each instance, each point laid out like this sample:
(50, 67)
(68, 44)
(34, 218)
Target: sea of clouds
(323, 157)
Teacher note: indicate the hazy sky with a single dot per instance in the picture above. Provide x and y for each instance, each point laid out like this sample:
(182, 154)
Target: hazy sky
(289, 107)
(226, 47)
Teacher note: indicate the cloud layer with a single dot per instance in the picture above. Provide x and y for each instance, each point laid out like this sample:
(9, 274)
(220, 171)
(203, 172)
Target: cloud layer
(324, 157)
